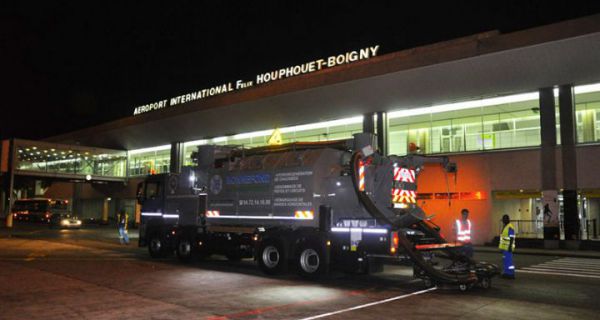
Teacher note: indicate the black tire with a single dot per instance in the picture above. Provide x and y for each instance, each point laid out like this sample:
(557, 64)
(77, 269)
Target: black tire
(157, 246)
(273, 257)
(185, 249)
(311, 261)
(485, 282)
(428, 283)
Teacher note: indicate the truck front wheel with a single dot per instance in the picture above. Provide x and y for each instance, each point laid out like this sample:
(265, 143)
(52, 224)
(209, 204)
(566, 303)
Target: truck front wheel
(157, 246)
(272, 257)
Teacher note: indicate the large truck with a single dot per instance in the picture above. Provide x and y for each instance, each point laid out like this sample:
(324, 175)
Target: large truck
(313, 207)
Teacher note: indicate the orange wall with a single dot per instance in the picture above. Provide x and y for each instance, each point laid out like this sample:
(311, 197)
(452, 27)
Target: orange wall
(486, 172)
(471, 176)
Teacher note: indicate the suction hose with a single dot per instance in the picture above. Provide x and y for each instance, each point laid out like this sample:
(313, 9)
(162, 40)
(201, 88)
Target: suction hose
(404, 242)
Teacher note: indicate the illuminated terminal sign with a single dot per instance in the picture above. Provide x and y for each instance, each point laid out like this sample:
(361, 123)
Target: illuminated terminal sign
(307, 67)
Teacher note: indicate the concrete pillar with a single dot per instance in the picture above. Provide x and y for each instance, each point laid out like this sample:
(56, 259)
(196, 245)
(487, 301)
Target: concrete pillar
(76, 204)
(8, 164)
(369, 123)
(177, 155)
(548, 168)
(105, 208)
(377, 123)
(382, 132)
(138, 213)
(569, 165)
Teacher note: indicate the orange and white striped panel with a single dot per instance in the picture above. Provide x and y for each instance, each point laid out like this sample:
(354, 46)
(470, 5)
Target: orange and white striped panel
(212, 213)
(306, 214)
(404, 175)
(361, 175)
(404, 196)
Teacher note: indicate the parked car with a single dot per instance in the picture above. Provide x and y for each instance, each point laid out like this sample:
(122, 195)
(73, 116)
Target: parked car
(65, 221)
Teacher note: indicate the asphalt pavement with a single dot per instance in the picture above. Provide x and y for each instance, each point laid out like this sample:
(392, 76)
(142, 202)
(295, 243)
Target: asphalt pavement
(87, 274)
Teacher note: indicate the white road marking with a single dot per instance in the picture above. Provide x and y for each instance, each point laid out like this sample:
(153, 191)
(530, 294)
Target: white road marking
(569, 267)
(558, 274)
(369, 304)
(561, 268)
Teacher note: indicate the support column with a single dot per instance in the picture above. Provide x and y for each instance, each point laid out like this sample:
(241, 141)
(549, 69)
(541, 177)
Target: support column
(377, 124)
(548, 168)
(369, 123)
(8, 164)
(382, 132)
(569, 165)
(138, 213)
(105, 208)
(177, 154)
(76, 203)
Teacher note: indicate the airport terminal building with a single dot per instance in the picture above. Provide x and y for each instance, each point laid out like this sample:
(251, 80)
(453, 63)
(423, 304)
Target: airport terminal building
(519, 113)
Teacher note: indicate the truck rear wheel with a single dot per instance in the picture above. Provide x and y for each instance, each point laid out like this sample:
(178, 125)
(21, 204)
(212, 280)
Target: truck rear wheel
(311, 260)
(272, 257)
(185, 251)
(157, 246)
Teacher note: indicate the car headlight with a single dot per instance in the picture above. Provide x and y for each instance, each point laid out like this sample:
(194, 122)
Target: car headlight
(64, 222)
(77, 222)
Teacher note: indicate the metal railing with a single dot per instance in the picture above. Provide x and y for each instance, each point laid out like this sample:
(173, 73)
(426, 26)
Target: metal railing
(527, 228)
(535, 228)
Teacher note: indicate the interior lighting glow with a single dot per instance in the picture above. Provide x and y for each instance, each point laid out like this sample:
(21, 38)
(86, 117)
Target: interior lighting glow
(219, 139)
(465, 105)
(254, 134)
(325, 124)
(298, 128)
(196, 143)
(158, 148)
(587, 88)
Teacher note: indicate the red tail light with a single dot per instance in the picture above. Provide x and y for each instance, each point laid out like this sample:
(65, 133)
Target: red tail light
(394, 244)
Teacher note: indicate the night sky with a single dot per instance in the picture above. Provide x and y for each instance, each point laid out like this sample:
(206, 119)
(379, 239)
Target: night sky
(69, 65)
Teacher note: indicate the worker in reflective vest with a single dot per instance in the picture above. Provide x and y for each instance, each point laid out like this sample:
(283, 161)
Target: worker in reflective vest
(507, 246)
(463, 233)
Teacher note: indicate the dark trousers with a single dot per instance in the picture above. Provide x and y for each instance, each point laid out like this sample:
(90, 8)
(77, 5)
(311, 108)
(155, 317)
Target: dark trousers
(468, 250)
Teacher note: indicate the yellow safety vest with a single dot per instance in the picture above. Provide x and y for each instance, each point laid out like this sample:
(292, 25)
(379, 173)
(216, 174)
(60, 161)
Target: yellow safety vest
(505, 238)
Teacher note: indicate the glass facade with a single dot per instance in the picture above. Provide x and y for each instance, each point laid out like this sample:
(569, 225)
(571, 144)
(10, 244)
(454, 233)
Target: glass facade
(149, 161)
(36, 156)
(322, 131)
(476, 125)
(587, 113)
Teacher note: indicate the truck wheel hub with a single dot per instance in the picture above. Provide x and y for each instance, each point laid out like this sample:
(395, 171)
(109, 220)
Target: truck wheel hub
(184, 248)
(155, 244)
(309, 260)
(270, 257)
